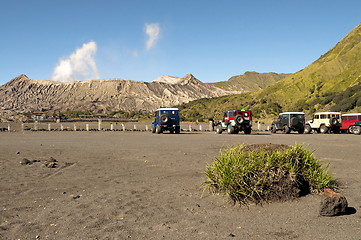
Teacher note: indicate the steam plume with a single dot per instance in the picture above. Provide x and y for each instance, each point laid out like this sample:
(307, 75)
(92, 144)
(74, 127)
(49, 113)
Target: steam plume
(80, 65)
(153, 32)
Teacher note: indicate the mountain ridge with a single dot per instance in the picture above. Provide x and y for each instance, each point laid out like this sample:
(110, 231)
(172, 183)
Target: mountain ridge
(23, 94)
(331, 83)
(250, 81)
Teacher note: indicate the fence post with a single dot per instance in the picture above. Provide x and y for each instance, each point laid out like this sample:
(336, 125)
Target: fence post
(123, 127)
(146, 128)
(22, 127)
(75, 128)
(87, 127)
(211, 125)
(61, 127)
(111, 127)
(190, 128)
(49, 127)
(36, 125)
(9, 127)
(99, 124)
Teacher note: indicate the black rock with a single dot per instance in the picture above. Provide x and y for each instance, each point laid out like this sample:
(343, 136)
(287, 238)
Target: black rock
(333, 204)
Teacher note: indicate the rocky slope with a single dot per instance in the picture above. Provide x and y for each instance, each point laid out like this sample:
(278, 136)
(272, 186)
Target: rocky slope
(250, 81)
(22, 94)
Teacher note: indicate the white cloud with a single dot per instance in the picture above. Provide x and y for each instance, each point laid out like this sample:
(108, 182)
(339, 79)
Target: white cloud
(80, 65)
(153, 32)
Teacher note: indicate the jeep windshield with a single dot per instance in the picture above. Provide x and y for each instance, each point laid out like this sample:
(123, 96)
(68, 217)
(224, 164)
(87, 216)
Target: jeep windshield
(299, 116)
(170, 112)
(326, 116)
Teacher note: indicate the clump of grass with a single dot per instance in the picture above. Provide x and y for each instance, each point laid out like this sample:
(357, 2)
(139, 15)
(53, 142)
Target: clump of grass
(267, 172)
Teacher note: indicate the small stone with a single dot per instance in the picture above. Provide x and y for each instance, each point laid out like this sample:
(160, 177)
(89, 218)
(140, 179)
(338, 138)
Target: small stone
(25, 161)
(75, 196)
(17, 152)
(333, 204)
(50, 164)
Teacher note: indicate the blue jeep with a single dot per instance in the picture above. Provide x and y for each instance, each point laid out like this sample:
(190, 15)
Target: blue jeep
(166, 119)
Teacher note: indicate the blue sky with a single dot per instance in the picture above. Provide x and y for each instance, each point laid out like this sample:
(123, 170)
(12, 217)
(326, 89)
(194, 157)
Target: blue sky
(211, 39)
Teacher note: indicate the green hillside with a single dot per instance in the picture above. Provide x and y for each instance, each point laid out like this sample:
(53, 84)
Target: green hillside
(333, 82)
(250, 81)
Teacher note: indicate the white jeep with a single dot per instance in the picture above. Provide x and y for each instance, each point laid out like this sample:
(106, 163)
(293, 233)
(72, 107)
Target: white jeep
(324, 122)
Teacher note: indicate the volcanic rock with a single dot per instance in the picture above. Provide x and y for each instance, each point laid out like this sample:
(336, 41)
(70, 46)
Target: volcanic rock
(333, 204)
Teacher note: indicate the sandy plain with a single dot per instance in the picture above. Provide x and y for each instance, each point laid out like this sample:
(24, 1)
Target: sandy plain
(139, 185)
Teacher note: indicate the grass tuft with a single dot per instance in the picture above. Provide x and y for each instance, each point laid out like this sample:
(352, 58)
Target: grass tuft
(267, 172)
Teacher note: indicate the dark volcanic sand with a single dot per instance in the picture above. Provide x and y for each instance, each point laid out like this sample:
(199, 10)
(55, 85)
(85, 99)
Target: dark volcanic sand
(136, 185)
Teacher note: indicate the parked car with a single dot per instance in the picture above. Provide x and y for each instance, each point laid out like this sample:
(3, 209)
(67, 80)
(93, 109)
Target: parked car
(166, 119)
(289, 121)
(235, 121)
(324, 122)
(348, 121)
(356, 129)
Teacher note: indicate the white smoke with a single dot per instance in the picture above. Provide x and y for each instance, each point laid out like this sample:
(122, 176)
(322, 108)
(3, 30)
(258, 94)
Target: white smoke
(153, 32)
(80, 65)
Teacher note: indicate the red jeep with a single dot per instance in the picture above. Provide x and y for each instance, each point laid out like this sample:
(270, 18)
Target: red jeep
(348, 121)
(235, 121)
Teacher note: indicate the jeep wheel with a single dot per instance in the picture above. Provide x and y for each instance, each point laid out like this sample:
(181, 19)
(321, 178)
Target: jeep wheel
(323, 129)
(236, 130)
(301, 131)
(333, 121)
(230, 129)
(177, 130)
(294, 121)
(357, 130)
(219, 129)
(247, 131)
(286, 130)
(308, 129)
(350, 129)
(239, 119)
(171, 131)
(273, 129)
(153, 129)
(164, 118)
(158, 129)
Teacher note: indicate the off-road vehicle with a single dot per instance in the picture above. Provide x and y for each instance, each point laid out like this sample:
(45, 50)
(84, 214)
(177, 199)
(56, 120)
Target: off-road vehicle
(324, 122)
(289, 121)
(356, 128)
(166, 119)
(348, 121)
(235, 121)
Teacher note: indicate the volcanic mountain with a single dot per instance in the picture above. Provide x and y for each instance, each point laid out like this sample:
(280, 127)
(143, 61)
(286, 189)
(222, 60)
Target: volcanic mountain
(22, 94)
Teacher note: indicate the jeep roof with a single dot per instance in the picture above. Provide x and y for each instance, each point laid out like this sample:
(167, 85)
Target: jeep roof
(292, 113)
(327, 113)
(237, 110)
(351, 114)
(167, 109)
